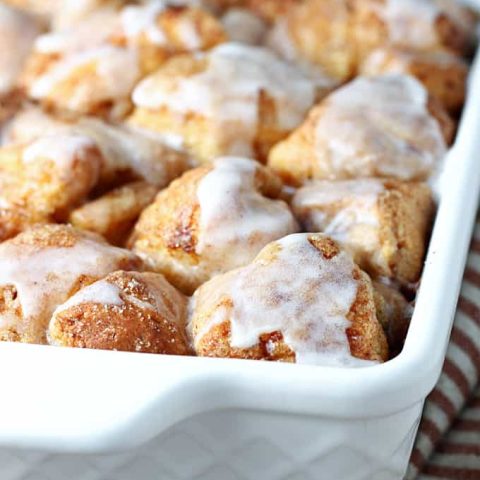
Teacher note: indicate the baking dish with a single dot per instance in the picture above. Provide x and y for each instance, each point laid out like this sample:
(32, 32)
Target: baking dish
(199, 418)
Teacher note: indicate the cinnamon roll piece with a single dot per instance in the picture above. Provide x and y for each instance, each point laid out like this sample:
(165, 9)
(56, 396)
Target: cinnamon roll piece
(383, 223)
(234, 100)
(128, 154)
(337, 35)
(303, 300)
(384, 126)
(114, 214)
(42, 181)
(93, 66)
(42, 267)
(129, 311)
(212, 219)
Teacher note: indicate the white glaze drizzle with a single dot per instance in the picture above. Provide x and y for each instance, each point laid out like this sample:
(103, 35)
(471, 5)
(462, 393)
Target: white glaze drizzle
(116, 72)
(100, 292)
(104, 292)
(235, 216)
(299, 293)
(379, 126)
(64, 150)
(228, 91)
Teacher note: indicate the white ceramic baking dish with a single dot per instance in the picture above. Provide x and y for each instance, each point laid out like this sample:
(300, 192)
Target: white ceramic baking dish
(182, 418)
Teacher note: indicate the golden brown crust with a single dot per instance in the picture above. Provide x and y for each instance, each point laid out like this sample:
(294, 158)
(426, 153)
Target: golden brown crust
(167, 231)
(365, 335)
(406, 212)
(150, 317)
(320, 31)
(114, 214)
(46, 187)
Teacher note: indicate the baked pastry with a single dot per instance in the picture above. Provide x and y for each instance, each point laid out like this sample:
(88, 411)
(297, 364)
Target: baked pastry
(318, 32)
(17, 34)
(382, 126)
(443, 74)
(129, 311)
(114, 214)
(337, 35)
(92, 67)
(212, 219)
(41, 268)
(302, 299)
(127, 154)
(383, 223)
(234, 100)
(42, 181)
(394, 313)
(44, 178)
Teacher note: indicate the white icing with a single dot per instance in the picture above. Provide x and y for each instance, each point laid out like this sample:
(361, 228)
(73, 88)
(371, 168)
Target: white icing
(299, 293)
(64, 150)
(116, 72)
(411, 22)
(378, 126)
(43, 276)
(101, 292)
(243, 26)
(17, 34)
(235, 216)
(228, 91)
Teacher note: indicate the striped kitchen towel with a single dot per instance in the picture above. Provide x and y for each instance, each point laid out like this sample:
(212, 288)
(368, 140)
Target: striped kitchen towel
(448, 442)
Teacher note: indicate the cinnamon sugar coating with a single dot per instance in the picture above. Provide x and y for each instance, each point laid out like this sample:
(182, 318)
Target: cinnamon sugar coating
(129, 311)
